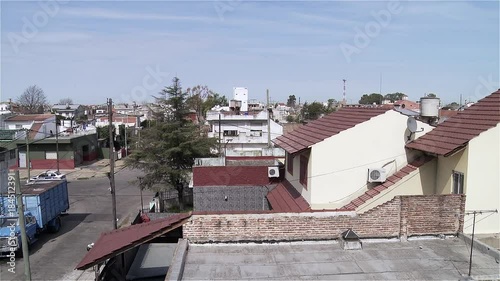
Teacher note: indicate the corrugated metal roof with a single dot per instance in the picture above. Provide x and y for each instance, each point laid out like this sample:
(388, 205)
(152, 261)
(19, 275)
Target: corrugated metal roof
(230, 176)
(118, 241)
(325, 127)
(284, 198)
(454, 134)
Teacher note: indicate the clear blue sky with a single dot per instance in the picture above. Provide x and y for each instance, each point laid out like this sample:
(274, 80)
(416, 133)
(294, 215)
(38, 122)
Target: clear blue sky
(89, 51)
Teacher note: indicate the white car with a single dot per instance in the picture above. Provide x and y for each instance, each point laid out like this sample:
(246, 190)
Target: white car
(48, 175)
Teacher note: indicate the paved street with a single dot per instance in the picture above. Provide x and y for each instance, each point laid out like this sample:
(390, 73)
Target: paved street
(55, 256)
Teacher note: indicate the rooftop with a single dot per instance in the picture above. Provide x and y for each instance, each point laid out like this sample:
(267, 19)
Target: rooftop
(325, 127)
(422, 259)
(454, 133)
(29, 117)
(285, 198)
(230, 176)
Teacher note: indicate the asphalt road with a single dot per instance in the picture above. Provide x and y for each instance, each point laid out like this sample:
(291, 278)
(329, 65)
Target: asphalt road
(54, 256)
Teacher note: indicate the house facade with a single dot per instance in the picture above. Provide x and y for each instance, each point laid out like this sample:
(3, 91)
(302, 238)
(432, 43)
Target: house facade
(39, 125)
(328, 160)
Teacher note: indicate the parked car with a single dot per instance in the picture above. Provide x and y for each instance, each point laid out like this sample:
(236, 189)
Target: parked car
(49, 175)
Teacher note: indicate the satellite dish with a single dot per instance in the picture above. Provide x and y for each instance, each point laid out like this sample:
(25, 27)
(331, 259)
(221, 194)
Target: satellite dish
(411, 123)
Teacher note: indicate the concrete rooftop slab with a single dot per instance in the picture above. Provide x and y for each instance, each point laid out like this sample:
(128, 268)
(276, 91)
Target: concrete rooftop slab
(423, 259)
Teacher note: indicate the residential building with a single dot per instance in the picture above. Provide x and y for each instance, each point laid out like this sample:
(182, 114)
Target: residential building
(245, 133)
(460, 156)
(39, 125)
(328, 160)
(70, 112)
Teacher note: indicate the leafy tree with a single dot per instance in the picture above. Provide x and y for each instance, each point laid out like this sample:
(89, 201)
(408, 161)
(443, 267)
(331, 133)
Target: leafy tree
(32, 100)
(290, 119)
(431, 95)
(291, 101)
(371, 99)
(313, 110)
(331, 105)
(65, 101)
(166, 150)
(394, 96)
(202, 99)
(452, 106)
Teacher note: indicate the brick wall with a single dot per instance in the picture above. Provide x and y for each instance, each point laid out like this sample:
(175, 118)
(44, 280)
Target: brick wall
(402, 216)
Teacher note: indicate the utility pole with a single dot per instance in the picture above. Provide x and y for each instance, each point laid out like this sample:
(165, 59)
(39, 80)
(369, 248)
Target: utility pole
(220, 138)
(268, 120)
(28, 160)
(126, 148)
(57, 144)
(112, 161)
(473, 229)
(22, 224)
(343, 94)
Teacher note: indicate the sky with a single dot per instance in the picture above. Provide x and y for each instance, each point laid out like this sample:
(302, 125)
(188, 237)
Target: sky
(129, 50)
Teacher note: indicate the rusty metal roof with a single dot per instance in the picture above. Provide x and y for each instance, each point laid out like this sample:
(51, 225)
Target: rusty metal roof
(454, 133)
(121, 240)
(284, 198)
(325, 127)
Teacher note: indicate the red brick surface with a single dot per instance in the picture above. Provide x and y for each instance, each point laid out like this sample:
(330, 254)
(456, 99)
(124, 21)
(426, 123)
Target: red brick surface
(402, 216)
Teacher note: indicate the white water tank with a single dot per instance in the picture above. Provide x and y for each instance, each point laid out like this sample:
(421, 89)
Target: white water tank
(429, 107)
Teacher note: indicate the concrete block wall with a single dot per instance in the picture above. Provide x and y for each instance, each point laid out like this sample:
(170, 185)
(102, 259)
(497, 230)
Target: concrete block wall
(403, 216)
(239, 198)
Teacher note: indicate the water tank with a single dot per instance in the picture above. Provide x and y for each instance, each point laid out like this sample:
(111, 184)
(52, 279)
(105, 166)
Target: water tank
(429, 107)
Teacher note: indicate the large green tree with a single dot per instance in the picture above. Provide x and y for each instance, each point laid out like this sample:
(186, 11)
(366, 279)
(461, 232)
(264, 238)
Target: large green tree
(202, 99)
(371, 99)
(166, 150)
(394, 96)
(291, 101)
(312, 111)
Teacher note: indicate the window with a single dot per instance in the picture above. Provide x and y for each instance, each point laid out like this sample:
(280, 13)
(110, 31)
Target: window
(256, 133)
(289, 163)
(231, 133)
(458, 182)
(303, 170)
(50, 155)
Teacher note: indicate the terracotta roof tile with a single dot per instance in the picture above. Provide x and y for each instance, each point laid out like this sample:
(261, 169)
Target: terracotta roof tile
(30, 117)
(284, 198)
(325, 127)
(390, 182)
(454, 133)
(120, 240)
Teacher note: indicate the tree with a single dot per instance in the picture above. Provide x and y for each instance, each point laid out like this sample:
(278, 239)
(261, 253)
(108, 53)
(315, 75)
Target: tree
(394, 96)
(313, 110)
(452, 106)
(166, 150)
(202, 99)
(371, 99)
(290, 119)
(331, 105)
(291, 101)
(431, 95)
(65, 101)
(32, 100)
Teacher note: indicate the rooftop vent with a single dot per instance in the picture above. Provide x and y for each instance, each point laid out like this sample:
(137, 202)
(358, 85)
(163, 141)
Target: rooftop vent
(349, 240)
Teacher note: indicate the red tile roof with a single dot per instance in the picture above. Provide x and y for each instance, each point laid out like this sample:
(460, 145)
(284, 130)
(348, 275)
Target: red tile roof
(325, 127)
(230, 176)
(30, 117)
(118, 241)
(395, 178)
(284, 198)
(454, 133)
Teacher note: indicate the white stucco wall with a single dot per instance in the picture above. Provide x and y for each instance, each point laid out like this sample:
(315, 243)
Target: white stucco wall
(339, 165)
(483, 181)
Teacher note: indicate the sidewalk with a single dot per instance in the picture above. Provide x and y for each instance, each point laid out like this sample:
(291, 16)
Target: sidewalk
(97, 169)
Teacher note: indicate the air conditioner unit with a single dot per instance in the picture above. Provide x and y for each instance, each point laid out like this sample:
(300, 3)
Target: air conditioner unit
(377, 175)
(273, 172)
